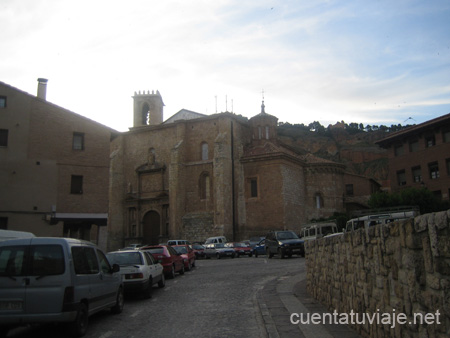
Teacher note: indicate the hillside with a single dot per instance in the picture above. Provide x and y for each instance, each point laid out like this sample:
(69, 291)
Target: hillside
(354, 148)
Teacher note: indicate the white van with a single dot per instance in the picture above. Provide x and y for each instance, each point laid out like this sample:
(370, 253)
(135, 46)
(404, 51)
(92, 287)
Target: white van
(178, 242)
(379, 218)
(217, 239)
(11, 234)
(46, 280)
(318, 230)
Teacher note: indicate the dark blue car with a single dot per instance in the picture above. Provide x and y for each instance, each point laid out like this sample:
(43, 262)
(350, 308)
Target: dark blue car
(259, 249)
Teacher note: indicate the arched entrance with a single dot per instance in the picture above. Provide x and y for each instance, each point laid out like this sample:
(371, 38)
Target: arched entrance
(151, 227)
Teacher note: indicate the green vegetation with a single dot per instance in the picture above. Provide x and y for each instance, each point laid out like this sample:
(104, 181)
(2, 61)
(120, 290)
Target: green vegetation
(421, 197)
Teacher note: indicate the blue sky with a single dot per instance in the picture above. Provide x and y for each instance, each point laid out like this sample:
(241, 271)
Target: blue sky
(370, 62)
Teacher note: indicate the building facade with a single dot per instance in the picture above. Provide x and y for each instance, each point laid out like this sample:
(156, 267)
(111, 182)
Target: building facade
(54, 167)
(195, 176)
(419, 156)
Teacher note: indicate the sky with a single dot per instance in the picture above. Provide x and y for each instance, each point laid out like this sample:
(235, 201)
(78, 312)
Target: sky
(372, 62)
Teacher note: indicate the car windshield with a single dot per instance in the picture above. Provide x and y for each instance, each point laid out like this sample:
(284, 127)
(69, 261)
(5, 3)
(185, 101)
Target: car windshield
(240, 245)
(220, 245)
(180, 249)
(198, 247)
(287, 235)
(125, 258)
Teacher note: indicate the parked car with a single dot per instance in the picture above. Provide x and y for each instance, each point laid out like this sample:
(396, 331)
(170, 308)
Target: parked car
(218, 250)
(178, 242)
(217, 239)
(171, 261)
(139, 270)
(255, 240)
(12, 234)
(187, 254)
(46, 280)
(240, 248)
(199, 250)
(260, 248)
(284, 243)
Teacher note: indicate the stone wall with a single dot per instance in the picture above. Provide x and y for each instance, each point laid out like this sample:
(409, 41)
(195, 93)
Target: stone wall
(402, 267)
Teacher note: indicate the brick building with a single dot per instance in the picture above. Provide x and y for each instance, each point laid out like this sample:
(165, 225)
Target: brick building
(195, 176)
(54, 167)
(419, 156)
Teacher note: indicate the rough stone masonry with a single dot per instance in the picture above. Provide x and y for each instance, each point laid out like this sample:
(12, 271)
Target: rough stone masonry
(402, 267)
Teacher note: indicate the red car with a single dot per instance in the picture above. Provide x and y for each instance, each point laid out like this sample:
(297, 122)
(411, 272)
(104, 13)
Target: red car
(199, 251)
(240, 248)
(188, 255)
(171, 261)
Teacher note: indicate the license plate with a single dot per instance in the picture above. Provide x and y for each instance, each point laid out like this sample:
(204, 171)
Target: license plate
(11, 305)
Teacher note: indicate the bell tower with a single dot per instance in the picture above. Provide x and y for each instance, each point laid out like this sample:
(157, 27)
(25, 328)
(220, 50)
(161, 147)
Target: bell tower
(147, 109)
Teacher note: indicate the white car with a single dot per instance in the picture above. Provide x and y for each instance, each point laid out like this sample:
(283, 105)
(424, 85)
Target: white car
(139, 270)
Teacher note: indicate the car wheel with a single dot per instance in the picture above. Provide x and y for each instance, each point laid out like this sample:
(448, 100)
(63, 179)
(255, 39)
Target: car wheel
(171, 275)
(182, 269)
(269, 253)
(78, 328)
(189, 267)
(118, 307)
(281, 253)
(149, 289)
(256, 254)
(193, 264)
(250, 255)
(162, 282)
(218, 255)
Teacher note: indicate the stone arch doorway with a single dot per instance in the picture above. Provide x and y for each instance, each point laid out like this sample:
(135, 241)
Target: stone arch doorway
(151, 227)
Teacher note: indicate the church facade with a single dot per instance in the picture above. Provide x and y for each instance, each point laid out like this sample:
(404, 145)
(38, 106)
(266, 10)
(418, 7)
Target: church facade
(195, 176)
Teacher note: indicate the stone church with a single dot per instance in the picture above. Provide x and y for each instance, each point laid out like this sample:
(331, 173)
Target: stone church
(194, 176)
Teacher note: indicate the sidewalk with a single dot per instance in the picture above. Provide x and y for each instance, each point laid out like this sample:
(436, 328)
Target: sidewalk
(283, 296)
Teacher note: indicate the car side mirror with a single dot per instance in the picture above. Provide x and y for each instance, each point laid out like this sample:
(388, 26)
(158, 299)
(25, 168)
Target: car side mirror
(115, 268)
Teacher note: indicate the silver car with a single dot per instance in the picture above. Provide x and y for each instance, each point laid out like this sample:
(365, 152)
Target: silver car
(46, 280)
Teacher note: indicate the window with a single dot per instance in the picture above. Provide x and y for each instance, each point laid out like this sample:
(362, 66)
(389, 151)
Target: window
(349, 189)
(259, 133)
(78, 141)
(2, 101)
(430, 141)
(84, 260)
(204, 186)
(252, 187)
(267, 132)
(3, 223)
(3, 137)
(104, 263)
(433, 169)
(319, 201)
(398, 149)
(46, 260)
(76, 184)
(416, 174)
(401, 177)
(204, 151)
(446, 135)
(414, 146)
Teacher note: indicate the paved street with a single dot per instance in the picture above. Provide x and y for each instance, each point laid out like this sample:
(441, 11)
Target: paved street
(218, 298)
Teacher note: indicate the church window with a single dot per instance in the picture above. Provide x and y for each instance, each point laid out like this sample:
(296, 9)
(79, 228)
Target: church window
(204, 186)
(252, 187)
(145, 114)
(267, 132)
(319, 201)
(204, 151)
(259, 132)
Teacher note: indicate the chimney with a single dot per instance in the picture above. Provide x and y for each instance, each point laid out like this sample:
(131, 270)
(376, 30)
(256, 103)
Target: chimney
(42, 88)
